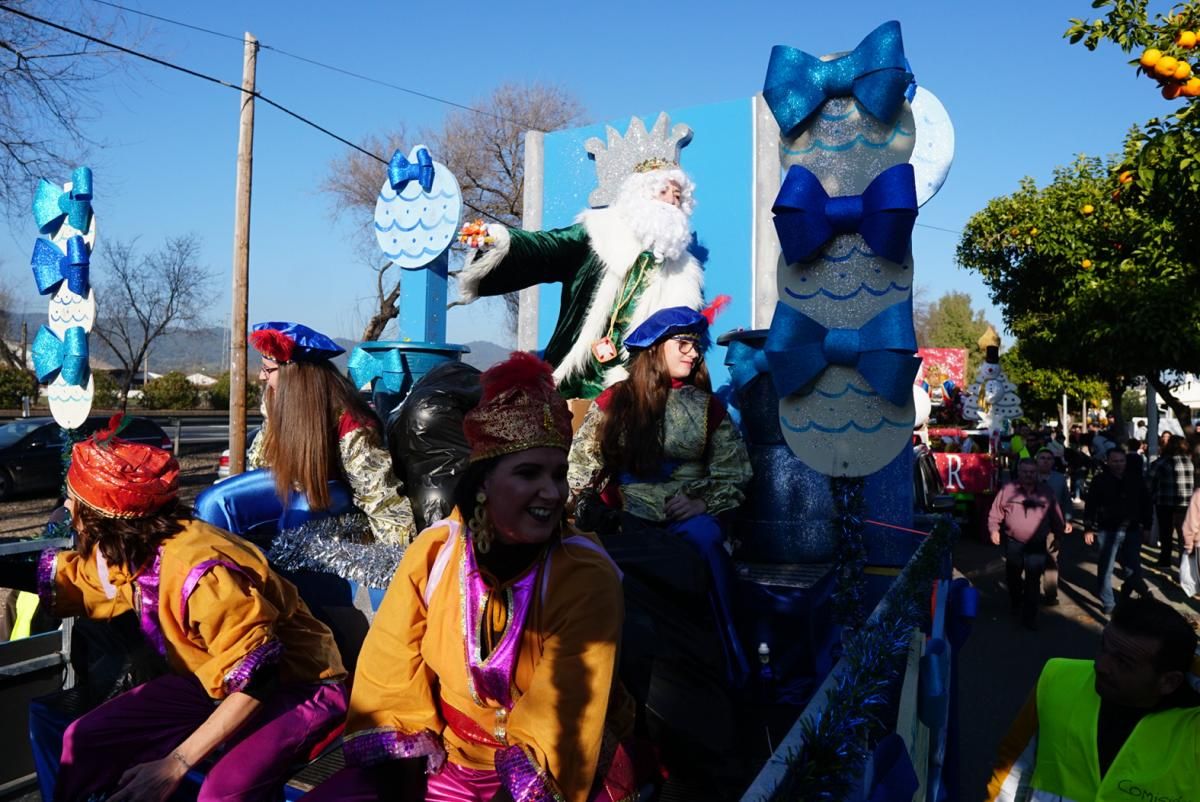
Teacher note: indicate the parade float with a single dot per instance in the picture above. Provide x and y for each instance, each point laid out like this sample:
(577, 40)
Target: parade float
(807, 196)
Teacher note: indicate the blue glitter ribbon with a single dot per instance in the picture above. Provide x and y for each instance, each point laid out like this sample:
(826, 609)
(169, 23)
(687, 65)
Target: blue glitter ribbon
(387, 369)
(875, 73)
(883, 351)
(401, 171)
(806, 217)
(51, 266)
(51, 206)
(68, 356)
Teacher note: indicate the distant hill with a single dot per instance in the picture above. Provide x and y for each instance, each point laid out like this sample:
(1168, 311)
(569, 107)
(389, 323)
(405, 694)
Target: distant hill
(204, 350)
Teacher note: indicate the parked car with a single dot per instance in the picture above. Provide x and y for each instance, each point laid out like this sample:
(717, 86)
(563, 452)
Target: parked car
(31, 450)
(223, 463)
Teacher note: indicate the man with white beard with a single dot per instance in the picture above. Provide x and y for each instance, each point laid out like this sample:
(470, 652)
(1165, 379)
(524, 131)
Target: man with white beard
(617, 265)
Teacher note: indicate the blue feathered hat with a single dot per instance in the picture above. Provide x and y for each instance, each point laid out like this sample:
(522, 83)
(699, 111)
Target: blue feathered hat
(284, 342)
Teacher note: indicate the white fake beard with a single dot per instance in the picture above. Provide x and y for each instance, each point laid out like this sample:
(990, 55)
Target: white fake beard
(659, 227)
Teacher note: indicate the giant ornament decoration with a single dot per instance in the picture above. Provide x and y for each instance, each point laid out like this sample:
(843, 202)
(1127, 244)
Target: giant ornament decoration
(861, 149)
(61, 264)
(418, 209)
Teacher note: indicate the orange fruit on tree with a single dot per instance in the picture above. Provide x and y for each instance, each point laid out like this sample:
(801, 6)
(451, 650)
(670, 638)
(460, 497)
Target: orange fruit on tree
(1125, 177)
(1192, 87)
(1165, 66)
(1182, 70)
(1186, 39)
(1150, 57)
(1088, 208)
(1086, 264)
(1171, 91)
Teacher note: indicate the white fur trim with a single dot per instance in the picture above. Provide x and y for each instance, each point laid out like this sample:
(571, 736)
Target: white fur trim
(676, 282)
(470, 276)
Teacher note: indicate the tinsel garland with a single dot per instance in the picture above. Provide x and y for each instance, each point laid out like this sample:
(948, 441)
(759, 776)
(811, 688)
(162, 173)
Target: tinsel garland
(850, 554)
(340, 546)
(70, 438)
(838, 740)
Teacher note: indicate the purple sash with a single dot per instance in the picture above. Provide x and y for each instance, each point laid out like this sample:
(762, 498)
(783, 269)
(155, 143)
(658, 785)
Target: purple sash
(491, 679)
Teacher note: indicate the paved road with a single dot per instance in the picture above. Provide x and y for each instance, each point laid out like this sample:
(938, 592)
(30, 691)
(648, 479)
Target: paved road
(1001, 661)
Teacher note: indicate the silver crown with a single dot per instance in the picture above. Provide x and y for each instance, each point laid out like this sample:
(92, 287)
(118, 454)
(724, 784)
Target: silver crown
(623, 155)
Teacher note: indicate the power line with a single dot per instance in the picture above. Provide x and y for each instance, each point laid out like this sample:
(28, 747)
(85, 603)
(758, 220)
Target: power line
(194, 74)
(331, 67)
(939, 228)
(169, 20)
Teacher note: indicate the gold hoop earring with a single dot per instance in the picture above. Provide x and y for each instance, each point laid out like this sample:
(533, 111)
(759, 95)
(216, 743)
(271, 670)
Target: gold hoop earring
(481, 530)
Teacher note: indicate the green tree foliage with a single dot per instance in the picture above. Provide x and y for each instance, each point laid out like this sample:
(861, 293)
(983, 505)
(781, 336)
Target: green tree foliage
(170, 391)
(950, 322)
(1087, 282)
(14, 384)
(107, 391)
(1041, 389)
(1159, 171)
(218, 394)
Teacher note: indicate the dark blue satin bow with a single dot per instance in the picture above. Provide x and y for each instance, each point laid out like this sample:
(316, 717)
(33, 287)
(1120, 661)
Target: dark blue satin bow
(806, 217)
(51, 266)
(68, 356)
(883, 351)
(401, 171)
(51, 205)
(875, 73)
(387, 367)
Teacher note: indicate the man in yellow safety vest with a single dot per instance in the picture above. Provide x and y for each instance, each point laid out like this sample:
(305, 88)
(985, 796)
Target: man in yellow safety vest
(1125, 726)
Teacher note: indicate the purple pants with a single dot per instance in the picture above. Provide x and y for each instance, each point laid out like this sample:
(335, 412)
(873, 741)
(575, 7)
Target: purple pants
(150, 721)
(453, 783)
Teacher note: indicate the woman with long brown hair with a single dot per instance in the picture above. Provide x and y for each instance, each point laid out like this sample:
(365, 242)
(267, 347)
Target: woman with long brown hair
(660, 447)
(319, 436)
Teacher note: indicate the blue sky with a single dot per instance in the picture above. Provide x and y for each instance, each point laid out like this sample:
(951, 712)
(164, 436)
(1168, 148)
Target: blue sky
(1022, 101)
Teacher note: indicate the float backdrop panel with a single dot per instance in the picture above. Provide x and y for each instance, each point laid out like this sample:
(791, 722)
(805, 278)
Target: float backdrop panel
(719, 160)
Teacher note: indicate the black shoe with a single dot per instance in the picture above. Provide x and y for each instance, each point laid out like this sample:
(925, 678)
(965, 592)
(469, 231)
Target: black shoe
(1050, 601)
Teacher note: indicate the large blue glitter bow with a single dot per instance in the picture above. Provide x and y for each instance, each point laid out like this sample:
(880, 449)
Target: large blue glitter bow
(51, 205)
(875, 73)
(68, 355)
(401, 171)
(51, 266)
(387, 367)
(883, 351)
(806, 217)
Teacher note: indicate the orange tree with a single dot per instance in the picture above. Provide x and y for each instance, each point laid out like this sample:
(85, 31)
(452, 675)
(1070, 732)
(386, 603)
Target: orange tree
(1159, 172)
(1087, 281)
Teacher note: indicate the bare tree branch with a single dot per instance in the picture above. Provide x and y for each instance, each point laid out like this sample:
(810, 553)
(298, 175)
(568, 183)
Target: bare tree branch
(46, 102)
(162, 290)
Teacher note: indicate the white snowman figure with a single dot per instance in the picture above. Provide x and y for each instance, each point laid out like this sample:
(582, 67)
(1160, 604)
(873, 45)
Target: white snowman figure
(66, 219)
(843, 426)
(991, 399)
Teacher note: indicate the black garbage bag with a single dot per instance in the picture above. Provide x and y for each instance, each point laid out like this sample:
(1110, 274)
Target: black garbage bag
(425, 436)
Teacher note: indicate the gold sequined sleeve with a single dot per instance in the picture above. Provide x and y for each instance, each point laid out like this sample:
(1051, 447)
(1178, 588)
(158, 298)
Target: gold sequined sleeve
(728, 471)
(254, 455)
(585, 460)
(377, 491)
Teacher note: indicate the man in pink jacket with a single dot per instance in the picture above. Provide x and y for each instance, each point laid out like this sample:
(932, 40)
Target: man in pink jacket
(1028, 513)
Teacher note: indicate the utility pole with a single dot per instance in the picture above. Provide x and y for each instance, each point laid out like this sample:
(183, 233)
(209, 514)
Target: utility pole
(241, 263)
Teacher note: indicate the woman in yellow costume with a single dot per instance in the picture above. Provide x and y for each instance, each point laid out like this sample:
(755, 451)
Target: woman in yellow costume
(491, 665)
(254, 679)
